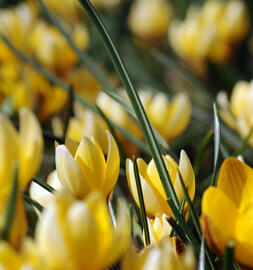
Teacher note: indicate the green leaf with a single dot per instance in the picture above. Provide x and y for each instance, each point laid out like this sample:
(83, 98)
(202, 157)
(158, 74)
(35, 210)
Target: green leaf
(229, 256)
(135, 101)
(43, 184)
(216, 143)
(11, 206)
(32, 202)
(141, 202)
(177, 229)
(202, 261)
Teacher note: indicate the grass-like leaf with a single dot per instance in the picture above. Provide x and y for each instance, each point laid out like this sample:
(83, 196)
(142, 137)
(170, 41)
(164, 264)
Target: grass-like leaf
(216, 143)
(202, 261)
(11, 206)
(177, 229)
(135, 101)
(141, 201)
(229, 256)
(32, 202)
(43, 184)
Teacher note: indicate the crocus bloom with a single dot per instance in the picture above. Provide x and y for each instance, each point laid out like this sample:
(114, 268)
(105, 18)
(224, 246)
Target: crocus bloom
(153, 192)
(170, 118)
(162, 257)
(25, 148)
(82, 168)
(78, 235)
(149, 19)
(208, 32)
(227, 211)
(238, 114)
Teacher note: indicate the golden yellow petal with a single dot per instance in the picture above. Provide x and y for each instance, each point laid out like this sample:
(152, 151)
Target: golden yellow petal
(71, 145)
(218, 219)
(91, 159)
(8, 257)
(188, 176)
(233, 177)
(31, 138)
(112, 165)
(70, 173)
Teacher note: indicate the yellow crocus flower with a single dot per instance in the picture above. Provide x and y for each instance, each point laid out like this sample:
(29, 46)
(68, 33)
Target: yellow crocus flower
(170, 118)
(82, 168)
(149, 19)
(78, 235)
(162, 257)
(25, 148)
(153, 192)
(238, 114)
(158, 228)
(227, 211)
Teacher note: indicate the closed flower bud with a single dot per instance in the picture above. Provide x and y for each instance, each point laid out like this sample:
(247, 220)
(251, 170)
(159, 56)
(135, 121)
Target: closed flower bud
(154, 195)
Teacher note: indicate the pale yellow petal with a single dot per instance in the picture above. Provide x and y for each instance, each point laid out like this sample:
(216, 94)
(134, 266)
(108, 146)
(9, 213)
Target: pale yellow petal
(91, 159)
(31, 138)
(9, 154)
(69, 172)
(112, 165)
(71, 145)
(188, 176)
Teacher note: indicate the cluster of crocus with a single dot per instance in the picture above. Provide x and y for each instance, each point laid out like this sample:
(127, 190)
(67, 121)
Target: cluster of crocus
(22, 86)
(210, 31)
(238, 114)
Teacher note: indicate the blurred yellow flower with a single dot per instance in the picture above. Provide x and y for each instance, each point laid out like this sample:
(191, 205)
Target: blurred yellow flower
(48, 46)
(26, 148)
(82, 168)
(158, 228)
(153, 192)
(26, 258)
(210, 31)
(77, 235)
(227, 211)
(162, 257)
(117, 114)
(150, 19)
(238, 114)
(169, 118)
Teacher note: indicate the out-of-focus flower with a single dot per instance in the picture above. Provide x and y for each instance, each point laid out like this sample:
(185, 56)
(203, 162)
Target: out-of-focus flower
(117, 114)
(238, 114)
(48, 46)
(26, 258)
(25, 148)
(16, 23)
(82, 168)
(153, 192)
(227, 211)
(158, 228)
(161, 257)
(210, 31)
(150, 19)
(70, 233)
(169, 118)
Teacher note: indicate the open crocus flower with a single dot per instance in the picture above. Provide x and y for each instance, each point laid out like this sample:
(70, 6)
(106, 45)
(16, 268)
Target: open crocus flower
(169, 118)
(82, 168)
(238, 114)
(77, 235)
(227, 211)
(162, 257)
(25, 148)
(153, 192)
(150, 19)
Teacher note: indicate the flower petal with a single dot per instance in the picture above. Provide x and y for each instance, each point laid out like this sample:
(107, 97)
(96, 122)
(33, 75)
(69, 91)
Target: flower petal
(32, 145)
(91, 159)
(69, 172)
(112, 165)
(218, 219)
